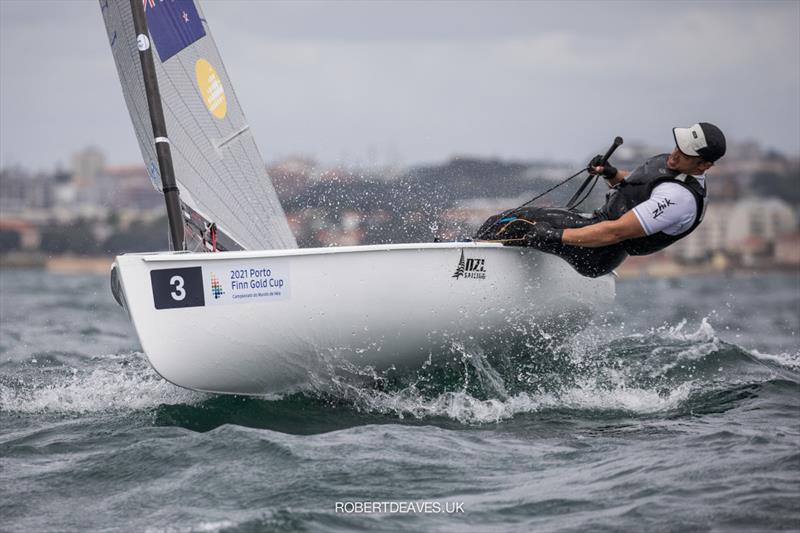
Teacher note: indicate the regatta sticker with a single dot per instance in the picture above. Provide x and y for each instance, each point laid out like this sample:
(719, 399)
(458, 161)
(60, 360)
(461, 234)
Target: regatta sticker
(177, 287)
(233, 282)
(216, 287)
(470, 268)
(174, 25)
(211, 89)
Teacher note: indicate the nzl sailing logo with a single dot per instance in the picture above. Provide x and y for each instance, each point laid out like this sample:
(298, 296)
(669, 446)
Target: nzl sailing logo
(473, 268)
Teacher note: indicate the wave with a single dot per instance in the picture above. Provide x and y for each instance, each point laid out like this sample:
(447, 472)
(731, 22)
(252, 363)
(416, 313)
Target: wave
(108, 383)
(467, 409)
(667, 371)
(658, 372)
(785, 360)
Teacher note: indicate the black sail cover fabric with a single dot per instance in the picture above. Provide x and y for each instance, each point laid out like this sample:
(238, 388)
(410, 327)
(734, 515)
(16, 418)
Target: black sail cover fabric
(219, 170)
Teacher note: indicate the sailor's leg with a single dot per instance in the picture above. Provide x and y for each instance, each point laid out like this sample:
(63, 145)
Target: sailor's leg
(501, 227)
(511, 226)
(591, 262)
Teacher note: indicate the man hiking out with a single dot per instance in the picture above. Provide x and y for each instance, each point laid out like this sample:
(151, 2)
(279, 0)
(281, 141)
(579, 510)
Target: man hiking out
(646, 210)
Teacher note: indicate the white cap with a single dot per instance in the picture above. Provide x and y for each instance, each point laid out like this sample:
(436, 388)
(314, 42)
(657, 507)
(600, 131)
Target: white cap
(703, 139)
(690, 140)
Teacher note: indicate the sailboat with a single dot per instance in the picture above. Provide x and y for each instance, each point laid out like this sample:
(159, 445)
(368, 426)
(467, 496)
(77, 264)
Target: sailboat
(235, 307)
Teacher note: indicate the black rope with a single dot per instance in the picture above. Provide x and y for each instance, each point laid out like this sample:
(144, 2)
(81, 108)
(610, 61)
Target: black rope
(556, 186)
(574, 202)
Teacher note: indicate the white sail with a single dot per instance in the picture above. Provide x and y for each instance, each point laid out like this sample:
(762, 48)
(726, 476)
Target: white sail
(219, 171)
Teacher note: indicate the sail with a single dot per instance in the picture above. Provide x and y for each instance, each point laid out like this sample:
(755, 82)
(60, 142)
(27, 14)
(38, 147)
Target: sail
(225, 192)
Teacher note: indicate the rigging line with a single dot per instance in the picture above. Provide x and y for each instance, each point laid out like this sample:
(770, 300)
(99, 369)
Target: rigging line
(580, 190)
(554, 187)
(501, 240)
(585, 196)
(197, 210)
(532, 223)
(611, 149)
(501, 230)
(515, 220)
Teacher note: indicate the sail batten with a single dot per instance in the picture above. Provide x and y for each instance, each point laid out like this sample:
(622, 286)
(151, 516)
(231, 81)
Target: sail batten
(220, 173)
(232, 137)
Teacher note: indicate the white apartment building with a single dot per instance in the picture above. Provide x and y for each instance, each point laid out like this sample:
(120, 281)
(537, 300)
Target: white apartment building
(727, 226)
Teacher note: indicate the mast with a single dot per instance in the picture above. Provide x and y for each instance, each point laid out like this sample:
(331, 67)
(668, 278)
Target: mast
(169, 186)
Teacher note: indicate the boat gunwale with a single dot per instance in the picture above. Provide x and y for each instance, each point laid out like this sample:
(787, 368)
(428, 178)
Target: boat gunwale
(295, 252)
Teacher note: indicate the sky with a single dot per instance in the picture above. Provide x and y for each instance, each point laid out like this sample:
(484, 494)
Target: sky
(418, 82)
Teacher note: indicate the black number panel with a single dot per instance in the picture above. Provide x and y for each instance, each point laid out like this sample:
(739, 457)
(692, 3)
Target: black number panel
(177, 287)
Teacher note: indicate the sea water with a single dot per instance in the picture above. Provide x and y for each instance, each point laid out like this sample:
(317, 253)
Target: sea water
(676, 410)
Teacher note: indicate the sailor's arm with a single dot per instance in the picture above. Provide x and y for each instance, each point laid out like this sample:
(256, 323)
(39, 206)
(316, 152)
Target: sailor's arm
(618, 176)
(611, 173)
(621, 175)
(605, 233)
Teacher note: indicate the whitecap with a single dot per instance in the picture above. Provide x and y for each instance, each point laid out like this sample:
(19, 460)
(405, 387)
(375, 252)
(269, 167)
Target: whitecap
(790, 361)
(466, 409)
(114, 383)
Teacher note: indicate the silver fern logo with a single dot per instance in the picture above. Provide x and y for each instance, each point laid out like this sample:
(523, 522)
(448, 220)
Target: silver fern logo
(460, 268)
(470, 268)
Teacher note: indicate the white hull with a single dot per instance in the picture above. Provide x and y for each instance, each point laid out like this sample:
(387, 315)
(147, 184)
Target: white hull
(263, 322)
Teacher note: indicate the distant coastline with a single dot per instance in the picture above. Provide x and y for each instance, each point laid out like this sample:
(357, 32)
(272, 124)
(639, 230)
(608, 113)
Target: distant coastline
(64, 264)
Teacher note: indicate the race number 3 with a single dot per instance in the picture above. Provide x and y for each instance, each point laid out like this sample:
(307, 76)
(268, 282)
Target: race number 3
(177, 287)
(179, 293)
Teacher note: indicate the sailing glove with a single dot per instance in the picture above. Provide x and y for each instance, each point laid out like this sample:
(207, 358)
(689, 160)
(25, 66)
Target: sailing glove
(608, 172)
(543, 234)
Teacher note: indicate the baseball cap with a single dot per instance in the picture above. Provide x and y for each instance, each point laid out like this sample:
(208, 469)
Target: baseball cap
(703, 139)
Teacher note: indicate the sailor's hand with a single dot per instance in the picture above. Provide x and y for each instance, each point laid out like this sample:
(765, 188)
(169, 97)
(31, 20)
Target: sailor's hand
(543, 234)
(596, 166)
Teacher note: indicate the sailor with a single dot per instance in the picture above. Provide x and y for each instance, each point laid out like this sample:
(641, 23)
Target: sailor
(646, 210)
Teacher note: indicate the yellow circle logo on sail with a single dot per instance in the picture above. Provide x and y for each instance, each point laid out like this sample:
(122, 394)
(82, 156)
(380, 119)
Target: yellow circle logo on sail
(211, 88)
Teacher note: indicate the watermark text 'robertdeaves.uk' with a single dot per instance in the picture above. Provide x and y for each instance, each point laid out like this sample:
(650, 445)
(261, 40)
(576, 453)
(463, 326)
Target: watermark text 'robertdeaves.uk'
(423, 507)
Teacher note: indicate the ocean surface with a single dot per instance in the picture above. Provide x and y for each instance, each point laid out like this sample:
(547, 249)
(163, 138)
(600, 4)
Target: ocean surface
(677, 410)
